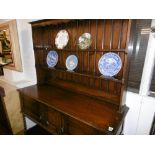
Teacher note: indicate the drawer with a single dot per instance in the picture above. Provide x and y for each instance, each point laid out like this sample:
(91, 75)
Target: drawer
(55, 121)
(75, 127)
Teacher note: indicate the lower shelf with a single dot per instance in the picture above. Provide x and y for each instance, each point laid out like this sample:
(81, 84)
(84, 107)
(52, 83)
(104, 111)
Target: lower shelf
(37, 130)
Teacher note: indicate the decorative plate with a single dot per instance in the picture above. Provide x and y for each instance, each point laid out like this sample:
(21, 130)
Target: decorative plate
(52, 58)
(61, 39)
(109, 64)
(85, 41)
(71, 62)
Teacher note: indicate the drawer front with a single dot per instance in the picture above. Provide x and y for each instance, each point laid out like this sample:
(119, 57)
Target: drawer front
(75, 127)
(54, 121)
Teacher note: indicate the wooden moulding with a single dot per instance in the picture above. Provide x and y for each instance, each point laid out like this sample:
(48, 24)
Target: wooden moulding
(47, 22)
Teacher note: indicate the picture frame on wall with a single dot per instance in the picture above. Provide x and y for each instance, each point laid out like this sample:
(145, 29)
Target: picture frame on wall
(9, 46)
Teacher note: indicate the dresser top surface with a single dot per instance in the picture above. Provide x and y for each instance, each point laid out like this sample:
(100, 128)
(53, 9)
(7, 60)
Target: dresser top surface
(93, 112)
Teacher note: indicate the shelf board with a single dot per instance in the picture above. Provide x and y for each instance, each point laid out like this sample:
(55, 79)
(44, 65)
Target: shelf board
(49, 47)
(87, 74)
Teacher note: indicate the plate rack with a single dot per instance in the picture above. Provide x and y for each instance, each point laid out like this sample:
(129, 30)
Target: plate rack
(107, 36)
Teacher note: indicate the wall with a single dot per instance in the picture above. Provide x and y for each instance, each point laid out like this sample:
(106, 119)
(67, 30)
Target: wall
(28, 76)
(27, 56)
(140, 115)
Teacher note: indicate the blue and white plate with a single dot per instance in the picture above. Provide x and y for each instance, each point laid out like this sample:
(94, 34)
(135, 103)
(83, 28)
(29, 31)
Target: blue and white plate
(110, 64)
(71, 62)
(52, 58)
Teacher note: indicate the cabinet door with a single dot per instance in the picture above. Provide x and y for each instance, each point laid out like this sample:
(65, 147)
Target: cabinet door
(55, 121)
(75, 127)
(32, 108)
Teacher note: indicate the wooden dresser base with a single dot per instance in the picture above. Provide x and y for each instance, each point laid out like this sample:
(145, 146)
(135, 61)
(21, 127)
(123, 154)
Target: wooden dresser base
(64, 112)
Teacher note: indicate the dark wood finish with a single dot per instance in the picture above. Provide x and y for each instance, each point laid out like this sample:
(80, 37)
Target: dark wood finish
(1, 71)
(83, 101)
(5, 127)
(108, 35)
(60, 102)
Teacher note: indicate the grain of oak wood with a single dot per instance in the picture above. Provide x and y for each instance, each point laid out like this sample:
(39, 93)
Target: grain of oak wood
(96, 113)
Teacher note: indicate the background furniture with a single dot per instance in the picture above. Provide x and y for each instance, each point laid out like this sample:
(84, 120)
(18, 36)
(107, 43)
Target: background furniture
(10, 111)
(5, 127)
(79, 102)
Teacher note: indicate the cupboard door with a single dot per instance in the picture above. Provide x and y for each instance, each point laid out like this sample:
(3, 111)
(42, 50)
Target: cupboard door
(75, 127)
(54, 121)
(32, 108)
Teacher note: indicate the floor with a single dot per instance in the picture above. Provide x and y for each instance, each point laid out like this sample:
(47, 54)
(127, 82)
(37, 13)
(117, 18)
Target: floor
(36, 130)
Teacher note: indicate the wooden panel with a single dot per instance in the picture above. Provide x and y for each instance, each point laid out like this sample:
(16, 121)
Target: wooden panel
(124, 34)
(107, 35)
(74, 127)
(32, 108)
(117, 31)
(54, 121)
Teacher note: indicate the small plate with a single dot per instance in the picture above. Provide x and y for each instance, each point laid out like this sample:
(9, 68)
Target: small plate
(85, 41)
(52, 58)
(110, 64)
(71, 62)
(61, 39)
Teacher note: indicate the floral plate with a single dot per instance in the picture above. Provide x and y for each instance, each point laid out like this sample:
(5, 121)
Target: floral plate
(85, 41)
(61, 39)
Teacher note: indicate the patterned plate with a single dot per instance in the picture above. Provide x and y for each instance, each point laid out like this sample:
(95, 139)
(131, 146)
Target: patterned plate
(52, 58)
(85, 41)
(109, 64)
(61, 39)
(71, 62)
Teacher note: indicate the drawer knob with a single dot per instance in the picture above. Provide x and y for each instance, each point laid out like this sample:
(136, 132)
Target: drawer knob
(110, 128)
(62, 130)
(47, 122)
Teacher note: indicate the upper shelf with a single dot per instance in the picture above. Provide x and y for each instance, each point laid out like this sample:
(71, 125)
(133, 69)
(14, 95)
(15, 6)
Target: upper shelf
(49, 47)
